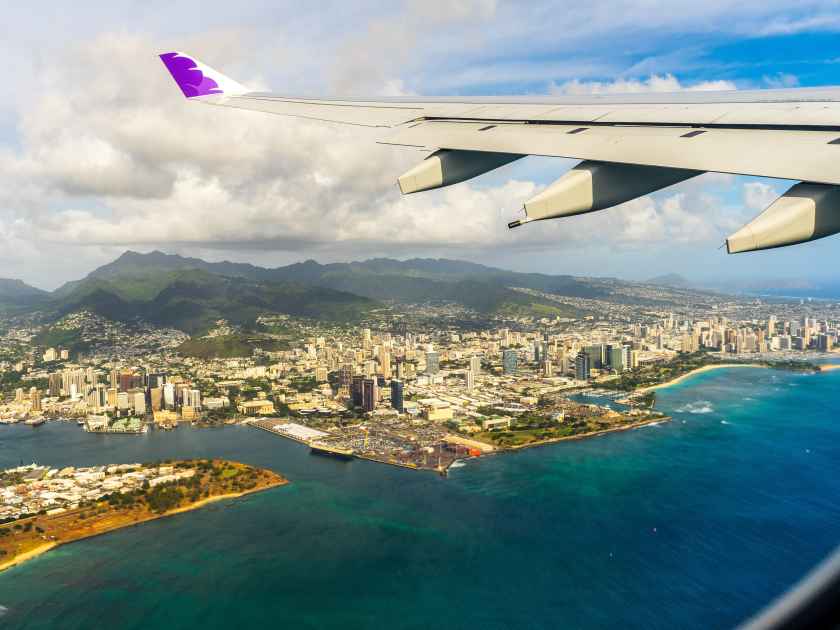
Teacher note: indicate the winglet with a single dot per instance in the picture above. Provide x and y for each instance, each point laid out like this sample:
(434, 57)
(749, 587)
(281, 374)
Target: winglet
(196, 79)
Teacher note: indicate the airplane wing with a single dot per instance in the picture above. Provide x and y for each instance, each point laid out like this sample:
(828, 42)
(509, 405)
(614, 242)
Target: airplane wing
(630, 145)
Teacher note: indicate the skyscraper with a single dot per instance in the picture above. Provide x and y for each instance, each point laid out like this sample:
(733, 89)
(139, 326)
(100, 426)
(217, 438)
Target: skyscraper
(357, 390)
(510, 359)
(432, 362)
(475, 365)
(35, 398)
(385, 362)
(469, 377)
(397, 395)
(583, 365)
(370, 394)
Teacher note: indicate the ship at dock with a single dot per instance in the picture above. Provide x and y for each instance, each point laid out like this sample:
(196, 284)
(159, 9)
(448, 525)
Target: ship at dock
(36, 421)
(330, 450)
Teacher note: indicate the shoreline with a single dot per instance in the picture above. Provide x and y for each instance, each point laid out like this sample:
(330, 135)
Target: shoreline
(568, 438)
(591, 434)
(48, 546)
(700, 370)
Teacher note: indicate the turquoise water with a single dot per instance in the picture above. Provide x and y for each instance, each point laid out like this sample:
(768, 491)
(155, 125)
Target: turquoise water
(691, 524)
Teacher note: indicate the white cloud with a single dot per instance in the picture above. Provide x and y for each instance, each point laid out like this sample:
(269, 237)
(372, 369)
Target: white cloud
(106, 152)
(654, 83)
(758, 195)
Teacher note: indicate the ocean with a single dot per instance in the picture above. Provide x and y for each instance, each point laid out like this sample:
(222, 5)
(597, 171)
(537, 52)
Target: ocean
(694, 523)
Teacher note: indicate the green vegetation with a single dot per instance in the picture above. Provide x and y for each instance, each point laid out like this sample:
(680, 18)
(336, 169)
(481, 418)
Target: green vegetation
(229, 346)
(193, 300)
(10, 381)
(69, 338)
(304, 384)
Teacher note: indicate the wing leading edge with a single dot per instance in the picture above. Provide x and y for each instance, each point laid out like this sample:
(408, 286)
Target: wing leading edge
(630, 145)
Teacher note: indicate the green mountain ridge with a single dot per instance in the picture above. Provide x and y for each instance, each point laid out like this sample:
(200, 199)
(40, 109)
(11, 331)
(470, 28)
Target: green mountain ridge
(16, 293)
(191, 294)
(192, 300)
(420, 280)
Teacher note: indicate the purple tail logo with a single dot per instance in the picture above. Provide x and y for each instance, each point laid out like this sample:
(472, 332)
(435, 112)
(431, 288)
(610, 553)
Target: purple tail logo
(189, 78)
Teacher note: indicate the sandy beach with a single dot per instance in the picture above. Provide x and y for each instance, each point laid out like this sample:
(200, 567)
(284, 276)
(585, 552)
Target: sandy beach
(705, 368)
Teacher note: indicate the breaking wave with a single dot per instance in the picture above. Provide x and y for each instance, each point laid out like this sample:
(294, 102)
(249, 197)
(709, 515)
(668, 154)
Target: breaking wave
(701, 406)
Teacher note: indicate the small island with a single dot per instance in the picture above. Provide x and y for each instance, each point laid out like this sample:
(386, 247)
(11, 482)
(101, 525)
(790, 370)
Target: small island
(41, 507)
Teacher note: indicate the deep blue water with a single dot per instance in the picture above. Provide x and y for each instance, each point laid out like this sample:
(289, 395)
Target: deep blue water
(688, 524)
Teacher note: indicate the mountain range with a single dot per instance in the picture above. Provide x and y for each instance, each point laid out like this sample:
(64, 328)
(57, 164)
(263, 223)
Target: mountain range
(191, 294)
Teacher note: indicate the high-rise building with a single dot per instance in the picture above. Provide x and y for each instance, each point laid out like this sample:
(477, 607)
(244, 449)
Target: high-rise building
(156, 398)
(432, 362)
(35, 398)
(510, 360)
(583, 365)
(397, 395)
(616, 357)
(370, 394)
(357, 391)
(475, 365)
(385, 363)
(345, 378)
(138, 402)
(597, 355)
(55, 384)
(169, 396)
(469, 378)
(547, 369)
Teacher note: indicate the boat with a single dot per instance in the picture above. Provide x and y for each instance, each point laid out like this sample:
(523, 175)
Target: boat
(36, 421)
(319, 448)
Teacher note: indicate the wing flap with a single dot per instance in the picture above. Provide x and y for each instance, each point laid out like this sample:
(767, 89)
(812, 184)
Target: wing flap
(784, 154)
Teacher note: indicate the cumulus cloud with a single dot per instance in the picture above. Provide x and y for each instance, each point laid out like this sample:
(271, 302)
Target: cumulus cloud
(128, 161)
(654, 83)
(107, 154)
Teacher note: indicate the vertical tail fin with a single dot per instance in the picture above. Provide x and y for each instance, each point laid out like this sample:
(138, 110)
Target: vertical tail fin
(196, 79)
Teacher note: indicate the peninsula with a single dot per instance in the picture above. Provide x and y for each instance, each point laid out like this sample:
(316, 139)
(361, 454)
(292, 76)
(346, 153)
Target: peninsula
(46, 507)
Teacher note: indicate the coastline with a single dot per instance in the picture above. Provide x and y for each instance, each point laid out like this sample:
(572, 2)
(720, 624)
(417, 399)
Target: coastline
(591, 434)
(47, 546)
(568, 438)
(700, 370)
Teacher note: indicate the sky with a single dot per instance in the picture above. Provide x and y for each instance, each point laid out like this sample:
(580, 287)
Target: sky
(100, 153)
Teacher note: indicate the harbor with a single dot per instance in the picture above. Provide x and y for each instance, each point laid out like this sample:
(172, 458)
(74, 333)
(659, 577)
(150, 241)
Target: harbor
(418, 450)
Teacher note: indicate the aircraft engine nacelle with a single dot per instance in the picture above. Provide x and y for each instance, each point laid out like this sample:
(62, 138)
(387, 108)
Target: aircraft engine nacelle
(592, 186)
(804, 213)
(447, 166)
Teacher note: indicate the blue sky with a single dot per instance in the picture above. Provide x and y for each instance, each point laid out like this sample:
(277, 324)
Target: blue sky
(98, 152)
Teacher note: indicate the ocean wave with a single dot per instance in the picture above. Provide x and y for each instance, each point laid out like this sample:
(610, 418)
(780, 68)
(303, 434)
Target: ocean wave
(3, 610)
(725, 422)
(457, 464)
(701, 406)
